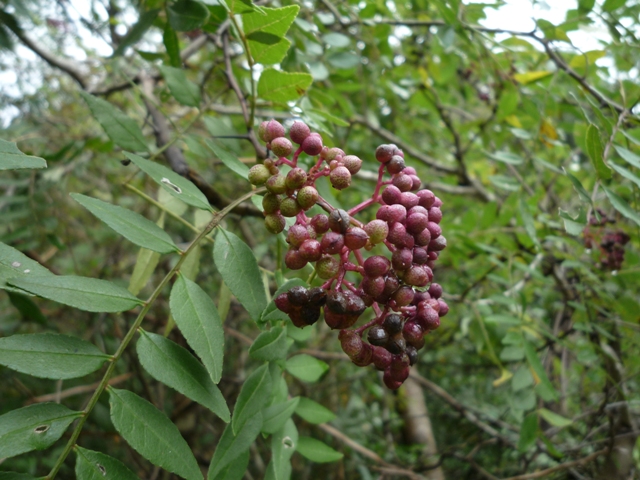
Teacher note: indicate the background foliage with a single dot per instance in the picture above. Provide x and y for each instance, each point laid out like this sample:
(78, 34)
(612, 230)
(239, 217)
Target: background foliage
(525, 138)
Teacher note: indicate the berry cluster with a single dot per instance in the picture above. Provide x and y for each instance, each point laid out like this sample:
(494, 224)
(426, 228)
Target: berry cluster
(611, 243)
(399, 287)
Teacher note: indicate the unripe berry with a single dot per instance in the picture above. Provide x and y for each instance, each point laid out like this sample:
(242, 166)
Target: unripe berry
(276, 184)
(327, 267)
(289, 207)
(377, 231)
(391, 195)
(435, 290)
(274, 223)
(332, 243)
(296, 178)
(384, 153)
(438, 244)
(310, 250)
(376, 266)
(312, 145)
(435, 215)
(339, 220)
(395, 165)
(377, 336)
(271, 203)
(298, 296)
(298, 132)
(413, 334)
(332, 153)
(258, 174)
(416, 222)
(403, 296)
(281, 146)
(417, 276)
(434, 229)
(353, 163)
(270, 130)
(262, 131)
(340, 178)
(401, 259)
(403, 182)
(409, 200)
(373, 286)
(294, 261)
(307, 197)
(381, 357)
(444, 308)
(333, 164)
(392, 324)
(355, 238)
(296, 235)
(320, 223)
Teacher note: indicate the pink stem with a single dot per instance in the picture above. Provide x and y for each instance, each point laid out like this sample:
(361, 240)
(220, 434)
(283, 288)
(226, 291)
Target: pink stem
(282, 160)
(358, 255)
(361, 206)
(297, 153)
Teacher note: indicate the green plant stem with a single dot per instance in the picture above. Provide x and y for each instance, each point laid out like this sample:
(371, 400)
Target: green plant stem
(215, 221)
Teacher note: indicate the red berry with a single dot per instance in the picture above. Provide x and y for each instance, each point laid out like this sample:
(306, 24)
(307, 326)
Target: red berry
(320, 223)
(355, 238)
(403, 182)
(310, 250)
(391, 195)
(312, 145)
(384, 153)
(427, 198)
(281, 146)
(297, 234)
(376, 266)
(327, 267)
(435, 290)
(377, 231)
(294, 261)
(298, 132)
(332, 243)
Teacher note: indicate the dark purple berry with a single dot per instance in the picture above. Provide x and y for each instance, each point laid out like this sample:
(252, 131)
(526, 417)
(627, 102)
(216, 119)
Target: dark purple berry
(298, 296)
(294, 261)
(395, 165)
(320, 223)
(310, 250)
(377, 336)
(392, 324)
(332, 243)
(384, 153)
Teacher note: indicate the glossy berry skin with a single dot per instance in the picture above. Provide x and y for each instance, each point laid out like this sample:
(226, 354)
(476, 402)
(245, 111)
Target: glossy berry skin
(377, 336)
(376, 266)
(384, 153)
(298, 296)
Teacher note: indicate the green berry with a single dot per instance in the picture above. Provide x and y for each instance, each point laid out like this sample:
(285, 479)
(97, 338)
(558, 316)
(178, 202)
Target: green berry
(274, 223)
(258, 174)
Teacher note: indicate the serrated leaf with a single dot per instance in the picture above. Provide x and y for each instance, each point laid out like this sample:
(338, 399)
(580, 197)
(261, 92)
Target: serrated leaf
(183, 90)
(625, 173)
(14, 263)
(283, 446)
(621, 205)
(35, 427)
(152, 434)
(595, 150)
(265, 31)
(506, 157)
(628, 156)
(172, 46)
(317, 451)
(131, 225)
(554, 419)
(530, 77)
(275, 416)
(528, 432)
(120, 128)
(229, 159)
(136, 32)
(174, 366)
(92, 465)
(306, 368)
(48, 355)
(12, 159)
(187, 15)
(254, 394)
(171, 182)
(197, 318)
(231, 445)
(270, 345)
(89, 294)
(239, 269)
(313, 412)
(283, 86)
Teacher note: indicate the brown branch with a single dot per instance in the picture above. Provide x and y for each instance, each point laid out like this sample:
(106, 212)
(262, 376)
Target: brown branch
(563, 466)
(57, 396)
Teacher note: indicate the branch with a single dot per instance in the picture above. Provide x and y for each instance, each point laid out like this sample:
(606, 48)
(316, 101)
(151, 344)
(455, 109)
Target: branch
(435, 186)
(562, 466)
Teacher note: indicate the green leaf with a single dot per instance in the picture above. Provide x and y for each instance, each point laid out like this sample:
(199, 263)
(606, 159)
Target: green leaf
(124, 131)
(506, 157)
(239, 269)
(12, 159)
(235, 469)
(29, 311)
(131, 225)
(585, 6)
(174, 366)
(47, 355)
(187, 15)
(548, 393)
(254, 394)
(272, 313)
(14, 263)
(136, 32)
(528, 432)
(35, 427)
(265, 31)
(270, 345)
(15, 476)
(337, 40)
(283, 86)
(92, 465)
(275, 416)
(198, 320)
(146, 263)
(530, 77)
(171, 182)
(231, 445)
(317, 451)
(595, 150)
(573, 226)
(508, 103)
(611, 5)
(527, 221)
(582, 192)
(554, 419)
(183, 90)
(313, 412)
(621, 205)
(89, 294)
(152, 434)
(306, 368)
(229, 159)
(283, 444)
(171, 44)
(625, 173)
(628, 156)
(587, 59)
(327, 116)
